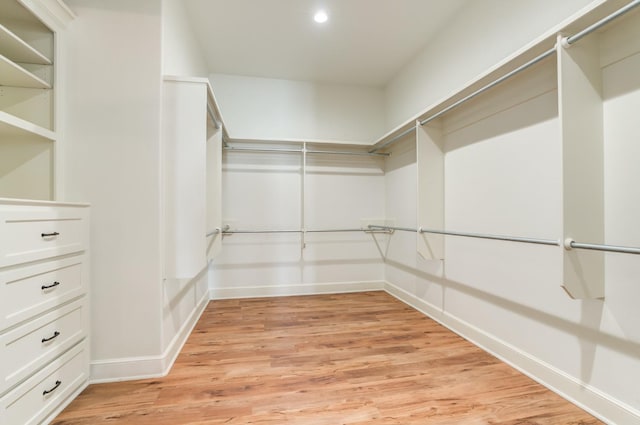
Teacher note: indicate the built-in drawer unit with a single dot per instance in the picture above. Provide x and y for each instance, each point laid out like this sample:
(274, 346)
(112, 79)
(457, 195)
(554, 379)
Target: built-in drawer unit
(33, 289)
(44, 308)
(37, 398)
(30, 235)
(26, 348)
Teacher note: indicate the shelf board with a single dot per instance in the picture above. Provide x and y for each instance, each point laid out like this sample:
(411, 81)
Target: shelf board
(14, 75)
(15, 49)
(11, 126)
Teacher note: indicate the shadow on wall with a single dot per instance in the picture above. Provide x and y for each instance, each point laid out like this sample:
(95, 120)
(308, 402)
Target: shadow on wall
(587, 329)
(528, 99)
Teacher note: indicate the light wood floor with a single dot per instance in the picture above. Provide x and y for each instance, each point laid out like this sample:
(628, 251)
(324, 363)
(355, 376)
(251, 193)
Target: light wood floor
(361, 358)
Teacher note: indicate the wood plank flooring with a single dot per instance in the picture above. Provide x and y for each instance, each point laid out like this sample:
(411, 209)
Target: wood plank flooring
(354, 359)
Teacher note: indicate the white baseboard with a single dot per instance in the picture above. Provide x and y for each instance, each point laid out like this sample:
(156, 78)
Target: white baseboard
(590, 399)
(132, 368)
(175, 346)
(298, 289)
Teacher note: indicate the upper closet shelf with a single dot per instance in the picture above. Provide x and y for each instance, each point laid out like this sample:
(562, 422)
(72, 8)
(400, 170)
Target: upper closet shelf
(539, 48)
(14, 75)
(213, 110)
(15, 49)
(11, 126)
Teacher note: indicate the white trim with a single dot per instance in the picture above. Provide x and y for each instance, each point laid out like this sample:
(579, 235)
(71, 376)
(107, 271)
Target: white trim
(126, 369)
(175, 346)
(36, 203)
(590, 399)
(297, 289)
(54, 13)
(132, 368)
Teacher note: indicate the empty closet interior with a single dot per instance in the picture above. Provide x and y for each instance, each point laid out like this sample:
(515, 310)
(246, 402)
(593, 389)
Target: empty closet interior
(494, 191)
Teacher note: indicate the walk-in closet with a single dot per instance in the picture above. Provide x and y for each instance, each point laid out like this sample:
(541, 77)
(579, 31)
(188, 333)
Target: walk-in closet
(319, 212)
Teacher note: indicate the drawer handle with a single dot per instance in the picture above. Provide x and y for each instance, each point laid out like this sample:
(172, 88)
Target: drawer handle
(49, 235)
(55, 335)
(55, 387)
(53, 285)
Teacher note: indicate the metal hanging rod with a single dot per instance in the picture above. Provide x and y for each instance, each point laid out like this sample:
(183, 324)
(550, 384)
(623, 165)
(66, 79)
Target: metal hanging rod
(570, 244)
(214, 232)
(567, 41)
(495, 237)
(217, 230)
(393, 139)
(601, 23)
(346, 230)
(403, 229)
(232, 232)
(470, 96)
(519, 69)
(309, 151)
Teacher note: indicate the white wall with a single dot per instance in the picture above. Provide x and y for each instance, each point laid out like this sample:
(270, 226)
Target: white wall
(181, 56)
(619, 314)
(113, 112)
(112, 107)
(503, 175)
(181, 51)
(263, 191)
(265, 108)
(481, 35)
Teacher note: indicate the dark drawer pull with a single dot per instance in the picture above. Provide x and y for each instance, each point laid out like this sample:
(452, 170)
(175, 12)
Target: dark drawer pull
(55, 387)
(49, 235)
(53, 285)
(55, 335)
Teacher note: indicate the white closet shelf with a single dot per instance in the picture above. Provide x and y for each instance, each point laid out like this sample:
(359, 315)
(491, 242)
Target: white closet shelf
(582, 19)
(14, 75)
(15, 49)
(11, 126)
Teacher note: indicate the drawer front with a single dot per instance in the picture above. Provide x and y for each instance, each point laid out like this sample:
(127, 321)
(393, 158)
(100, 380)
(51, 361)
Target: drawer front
(30, 290)
(36, 235)
(29, 347)
(36, 398)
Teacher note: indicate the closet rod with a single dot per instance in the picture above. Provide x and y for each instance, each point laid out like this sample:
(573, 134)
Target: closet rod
(231, 232)
(214, 232)
(569, 244)
(282, 150)
(470, 96)
(217, 230)
(346, 230)
(404, 229)
(519, 69)
(495, 237)
(601, 23)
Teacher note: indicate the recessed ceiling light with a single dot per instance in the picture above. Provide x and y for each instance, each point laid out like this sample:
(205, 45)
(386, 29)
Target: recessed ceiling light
(321, 17)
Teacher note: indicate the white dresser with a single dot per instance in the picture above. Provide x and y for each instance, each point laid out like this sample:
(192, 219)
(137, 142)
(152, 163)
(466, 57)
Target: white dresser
(44, 308)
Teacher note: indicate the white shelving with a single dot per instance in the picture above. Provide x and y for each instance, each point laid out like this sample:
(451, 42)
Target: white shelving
(14, 127)
(28, 130)
(17, 50)
(12, 74)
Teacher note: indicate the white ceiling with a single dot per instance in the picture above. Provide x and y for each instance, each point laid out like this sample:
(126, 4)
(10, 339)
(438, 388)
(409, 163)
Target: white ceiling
(364, 42)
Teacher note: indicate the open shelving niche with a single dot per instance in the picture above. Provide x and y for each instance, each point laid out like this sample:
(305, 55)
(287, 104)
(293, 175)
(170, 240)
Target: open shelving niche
(29, 134)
